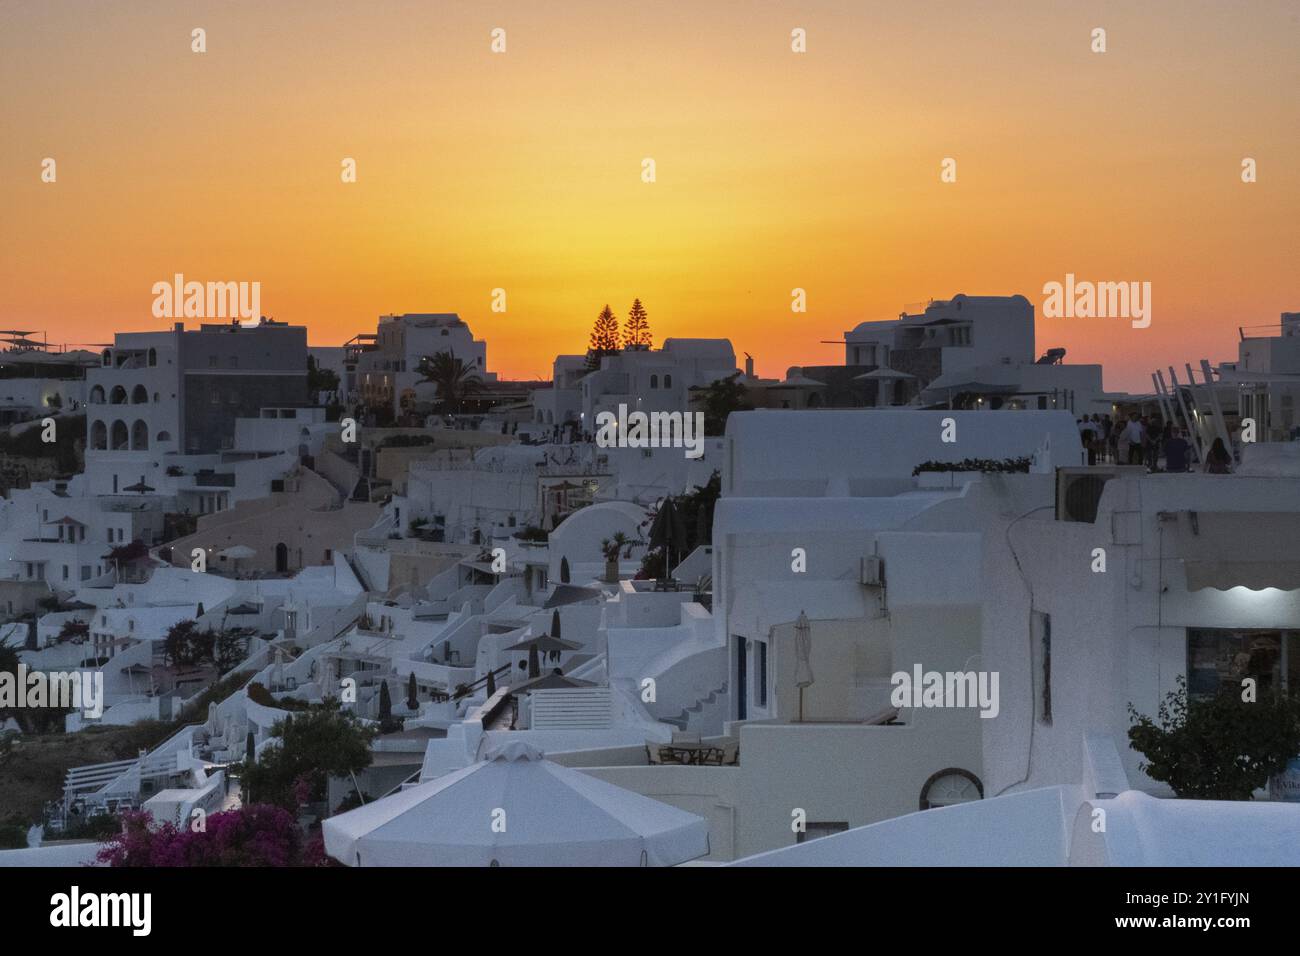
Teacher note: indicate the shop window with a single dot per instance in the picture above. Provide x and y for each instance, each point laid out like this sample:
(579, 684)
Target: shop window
(1220, 658)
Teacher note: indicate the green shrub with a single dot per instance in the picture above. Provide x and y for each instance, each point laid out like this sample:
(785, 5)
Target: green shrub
(1220, 747)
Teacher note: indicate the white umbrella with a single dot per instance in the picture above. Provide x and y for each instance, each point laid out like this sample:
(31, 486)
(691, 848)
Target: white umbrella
(237, 552)
(887, 377)
(516, 809)
(803, 675)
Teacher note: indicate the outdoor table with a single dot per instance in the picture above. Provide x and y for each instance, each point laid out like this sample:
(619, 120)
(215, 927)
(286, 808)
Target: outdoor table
(695, 754)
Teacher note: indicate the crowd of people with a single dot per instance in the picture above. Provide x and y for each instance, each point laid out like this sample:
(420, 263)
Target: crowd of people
(1141, 441)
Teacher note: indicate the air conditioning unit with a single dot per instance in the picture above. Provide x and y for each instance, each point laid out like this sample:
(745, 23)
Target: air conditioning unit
(873, 571)
(1079, 488)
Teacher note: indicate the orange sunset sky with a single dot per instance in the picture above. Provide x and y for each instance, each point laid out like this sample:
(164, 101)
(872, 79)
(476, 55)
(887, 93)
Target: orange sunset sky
(775, 170)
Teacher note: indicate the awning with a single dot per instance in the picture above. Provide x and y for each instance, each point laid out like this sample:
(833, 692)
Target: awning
(1249, 549)
(551, 816)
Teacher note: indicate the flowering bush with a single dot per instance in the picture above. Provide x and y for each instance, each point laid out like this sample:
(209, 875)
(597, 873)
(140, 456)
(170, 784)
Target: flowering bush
(256, 835)
(1005, 466)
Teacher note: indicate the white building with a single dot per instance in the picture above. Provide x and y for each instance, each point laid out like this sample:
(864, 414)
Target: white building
(389, 372)
(977, 351)
(1267, 375)
(647, 380)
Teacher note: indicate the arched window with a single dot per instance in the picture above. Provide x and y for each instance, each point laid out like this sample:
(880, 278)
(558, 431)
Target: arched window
(654, 381)
(97, 395)
(668, 381)
(118, 436)
(117, 396)
(139, 395)
(164, 436)
(107, 357)
(98, 436)
(951, 786)
(139, 436)
(153, 357)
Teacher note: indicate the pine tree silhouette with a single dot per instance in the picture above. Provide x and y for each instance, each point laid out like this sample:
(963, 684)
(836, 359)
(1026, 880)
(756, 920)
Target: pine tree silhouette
(604, 337)
(636, 332)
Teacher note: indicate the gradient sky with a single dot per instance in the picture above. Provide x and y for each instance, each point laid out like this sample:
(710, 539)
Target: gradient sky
(775, 170)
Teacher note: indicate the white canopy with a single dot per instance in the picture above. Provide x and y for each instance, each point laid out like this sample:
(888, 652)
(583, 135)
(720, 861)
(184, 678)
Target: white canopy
(516, 809)
(1250, 549)
(237, 552)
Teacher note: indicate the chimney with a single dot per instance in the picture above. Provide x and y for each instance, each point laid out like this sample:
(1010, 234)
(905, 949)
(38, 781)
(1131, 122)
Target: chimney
(749, 365)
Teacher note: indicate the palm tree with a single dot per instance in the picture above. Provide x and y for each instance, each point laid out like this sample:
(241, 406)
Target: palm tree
(456, 381)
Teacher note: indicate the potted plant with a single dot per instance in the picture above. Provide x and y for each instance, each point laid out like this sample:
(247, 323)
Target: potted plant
(611, 548)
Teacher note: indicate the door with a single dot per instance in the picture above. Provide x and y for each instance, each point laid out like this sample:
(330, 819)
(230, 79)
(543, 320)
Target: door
(281, 557)
(742, 678)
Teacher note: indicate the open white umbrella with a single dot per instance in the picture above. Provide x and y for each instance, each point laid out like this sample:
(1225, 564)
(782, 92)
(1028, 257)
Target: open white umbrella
(237, 552)
(516, 809)
(887, 379)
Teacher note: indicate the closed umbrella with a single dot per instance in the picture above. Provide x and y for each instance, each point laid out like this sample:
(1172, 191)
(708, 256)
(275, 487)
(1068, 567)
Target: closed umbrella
(668, 532)
(803, 675)
(515, 808)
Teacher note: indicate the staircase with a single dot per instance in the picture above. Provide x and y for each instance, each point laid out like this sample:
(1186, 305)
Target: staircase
(697, 710)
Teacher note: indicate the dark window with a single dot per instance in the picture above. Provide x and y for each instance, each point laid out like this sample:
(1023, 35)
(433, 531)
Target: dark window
(1045, 664)
(812, 831)
(762, 673)
(742, 678)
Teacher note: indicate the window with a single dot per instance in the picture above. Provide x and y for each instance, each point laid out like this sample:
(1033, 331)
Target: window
(1217, 659)
(949, 787)
(654, 381)
(1042, 650)
(668, 381)
(813, 831)
(85, 572)
(234, 361)
(65, 572)
(761, 676)
(212, 361)
(742, 678)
